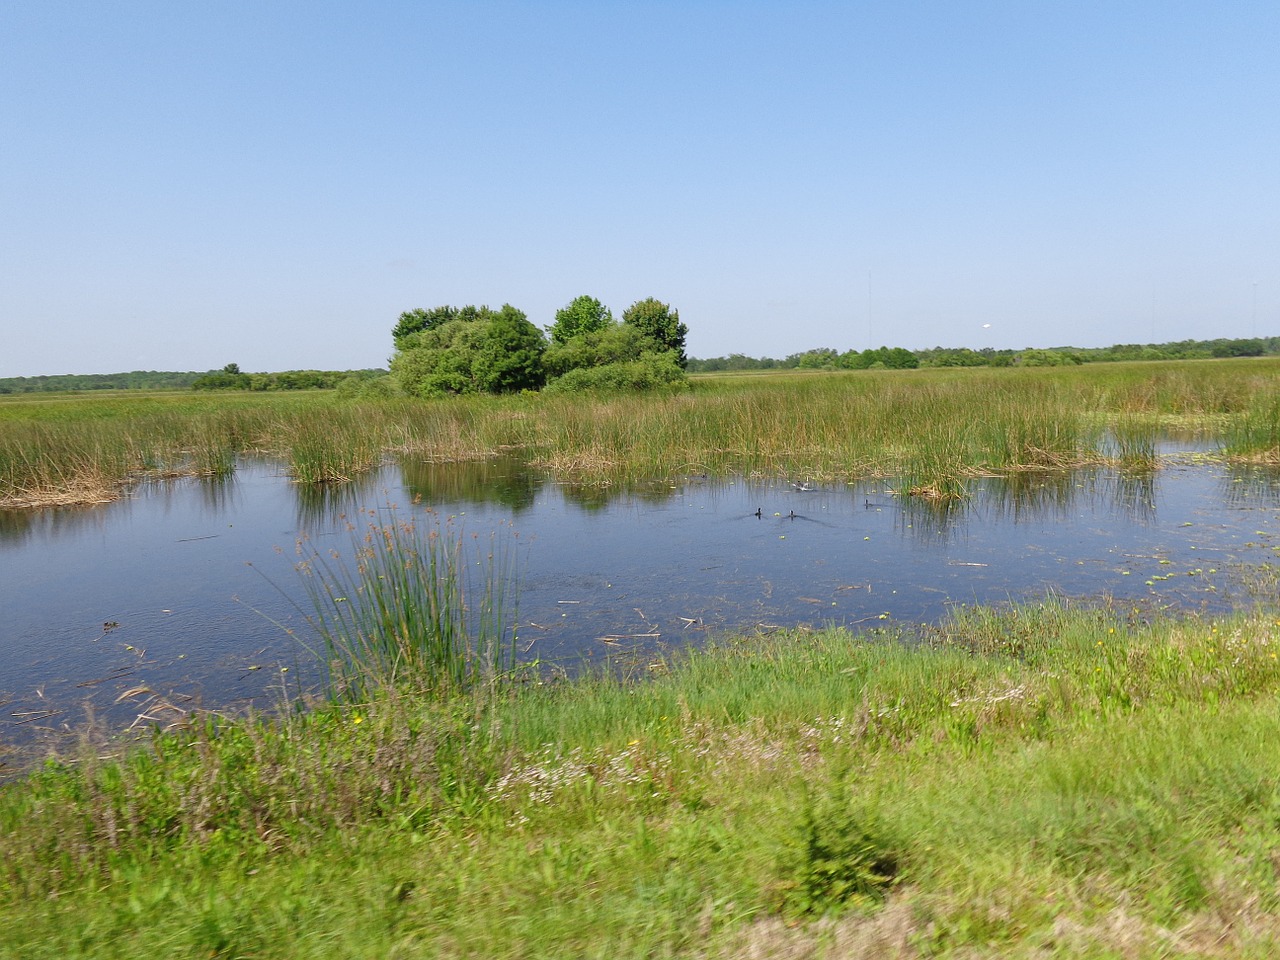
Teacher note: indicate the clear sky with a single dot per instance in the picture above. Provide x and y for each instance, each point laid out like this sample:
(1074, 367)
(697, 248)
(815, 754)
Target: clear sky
(186, 184)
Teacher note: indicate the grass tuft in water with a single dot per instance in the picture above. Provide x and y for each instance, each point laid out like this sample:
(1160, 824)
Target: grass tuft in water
(1254, 435)
(417, 606)
(1135, 442)
(335, 449)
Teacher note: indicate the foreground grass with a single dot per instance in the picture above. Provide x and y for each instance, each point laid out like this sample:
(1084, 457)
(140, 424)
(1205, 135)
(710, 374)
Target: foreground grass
(1035, 782)
(929, 430)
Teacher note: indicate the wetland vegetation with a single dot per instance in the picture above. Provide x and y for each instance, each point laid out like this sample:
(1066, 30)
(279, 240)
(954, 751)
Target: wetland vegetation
(1050, 779)
(927, 430)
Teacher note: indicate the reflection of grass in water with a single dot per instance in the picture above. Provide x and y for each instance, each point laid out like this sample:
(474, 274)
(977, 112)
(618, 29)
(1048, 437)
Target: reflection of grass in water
(503, 479)
(1251, 485)
(1027, 494)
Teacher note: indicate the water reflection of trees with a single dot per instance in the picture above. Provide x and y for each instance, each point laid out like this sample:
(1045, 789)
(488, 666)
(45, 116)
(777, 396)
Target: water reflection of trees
(513, 483)
(594, 496)
(508, 481)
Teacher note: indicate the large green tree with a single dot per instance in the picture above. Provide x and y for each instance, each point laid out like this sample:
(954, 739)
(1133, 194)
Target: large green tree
(658, 323)
(584, 314)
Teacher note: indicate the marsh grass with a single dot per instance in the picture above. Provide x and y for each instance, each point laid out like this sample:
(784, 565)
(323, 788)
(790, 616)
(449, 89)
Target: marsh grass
(334, 449)
(1134, 443)
(74, 463)
(927, 431)
(1038, 778)
(1254, 435)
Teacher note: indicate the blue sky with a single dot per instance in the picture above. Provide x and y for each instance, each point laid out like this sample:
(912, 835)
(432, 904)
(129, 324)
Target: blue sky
(185, 184)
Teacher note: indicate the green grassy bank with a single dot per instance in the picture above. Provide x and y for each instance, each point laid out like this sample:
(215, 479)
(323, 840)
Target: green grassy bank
(928, 430)
(1036, 782)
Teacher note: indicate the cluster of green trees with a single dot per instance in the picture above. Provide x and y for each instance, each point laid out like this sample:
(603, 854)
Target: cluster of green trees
(820, 358)
(231, 377)
(965, 357)
(884, 358)
(454, 350)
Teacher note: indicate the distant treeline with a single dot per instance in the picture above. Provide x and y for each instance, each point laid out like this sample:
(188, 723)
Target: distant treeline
(229, 377)
(826, 358)
(135, 380)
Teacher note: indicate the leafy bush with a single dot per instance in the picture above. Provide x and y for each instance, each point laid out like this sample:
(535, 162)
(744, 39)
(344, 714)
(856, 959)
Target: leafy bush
(652, 371)
(660, 325)
(615, 343)
(842, 856)
(363, 387)
(584, 314)
(478, 351)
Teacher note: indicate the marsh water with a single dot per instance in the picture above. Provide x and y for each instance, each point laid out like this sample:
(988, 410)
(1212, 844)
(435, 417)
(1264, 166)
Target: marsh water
(185, 591)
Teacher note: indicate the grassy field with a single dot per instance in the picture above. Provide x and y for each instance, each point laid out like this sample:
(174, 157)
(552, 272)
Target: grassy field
(1037, 782)
(926, 430)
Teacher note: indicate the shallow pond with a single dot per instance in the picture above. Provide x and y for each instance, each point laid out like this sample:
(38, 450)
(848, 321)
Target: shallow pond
(185, 590)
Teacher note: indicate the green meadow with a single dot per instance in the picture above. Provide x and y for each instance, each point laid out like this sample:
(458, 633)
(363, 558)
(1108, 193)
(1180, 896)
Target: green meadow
(1042, 781)
(1049, 779)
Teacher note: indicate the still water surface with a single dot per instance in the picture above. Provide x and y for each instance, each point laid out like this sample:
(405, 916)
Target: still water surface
(197, 578)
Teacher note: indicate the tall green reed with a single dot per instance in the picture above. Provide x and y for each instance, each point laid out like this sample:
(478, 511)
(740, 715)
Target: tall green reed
(330, 449)
(1254, 435)
(1134, 442)
(417, 606)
